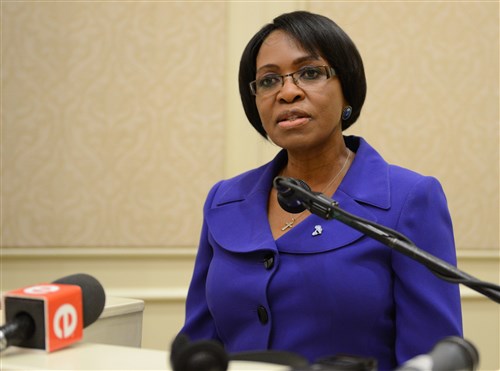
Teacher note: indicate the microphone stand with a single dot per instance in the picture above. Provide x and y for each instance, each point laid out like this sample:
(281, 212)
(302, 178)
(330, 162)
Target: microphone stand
(326, 208)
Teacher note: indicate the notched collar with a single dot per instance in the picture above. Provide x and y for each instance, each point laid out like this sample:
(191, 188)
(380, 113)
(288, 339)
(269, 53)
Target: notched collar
(367, 180)
(238, 218)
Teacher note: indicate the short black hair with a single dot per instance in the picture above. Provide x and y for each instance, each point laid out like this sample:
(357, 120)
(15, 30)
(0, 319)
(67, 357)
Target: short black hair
(318, 35)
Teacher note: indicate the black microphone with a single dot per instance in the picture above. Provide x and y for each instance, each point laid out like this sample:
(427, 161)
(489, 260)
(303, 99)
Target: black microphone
(201, 355)
(210, 355)
(294, 196)
(287, 197)
(51, 316)
(450, 354)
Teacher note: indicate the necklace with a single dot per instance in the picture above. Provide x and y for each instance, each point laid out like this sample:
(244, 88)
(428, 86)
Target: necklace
(294, 219)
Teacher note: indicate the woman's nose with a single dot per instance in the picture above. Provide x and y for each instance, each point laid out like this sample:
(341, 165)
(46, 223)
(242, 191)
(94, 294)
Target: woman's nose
(290, 91)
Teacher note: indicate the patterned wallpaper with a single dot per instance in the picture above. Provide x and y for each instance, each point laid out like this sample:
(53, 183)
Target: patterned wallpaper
(112, 120)
(113, 125)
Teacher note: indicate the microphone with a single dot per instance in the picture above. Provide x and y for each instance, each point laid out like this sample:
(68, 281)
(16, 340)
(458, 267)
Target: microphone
(295, 195)
(210, 355)
(450, 354)
(202, 355)
(287, 198)
(51, 316)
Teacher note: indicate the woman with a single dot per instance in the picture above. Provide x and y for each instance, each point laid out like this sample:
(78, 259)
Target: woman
(268, 279)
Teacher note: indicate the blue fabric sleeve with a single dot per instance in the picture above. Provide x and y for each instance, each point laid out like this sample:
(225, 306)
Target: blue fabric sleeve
(427, 307)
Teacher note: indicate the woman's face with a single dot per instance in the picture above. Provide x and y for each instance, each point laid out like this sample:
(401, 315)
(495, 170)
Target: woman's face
(295, 117)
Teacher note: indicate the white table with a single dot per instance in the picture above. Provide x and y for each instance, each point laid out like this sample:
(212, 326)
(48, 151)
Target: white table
(92, 356)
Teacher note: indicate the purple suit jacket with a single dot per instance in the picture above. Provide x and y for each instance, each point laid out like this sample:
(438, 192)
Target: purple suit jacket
(337, 292)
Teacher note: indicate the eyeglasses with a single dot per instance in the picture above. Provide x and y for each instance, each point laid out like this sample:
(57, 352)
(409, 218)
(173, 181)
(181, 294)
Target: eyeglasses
(306, 77)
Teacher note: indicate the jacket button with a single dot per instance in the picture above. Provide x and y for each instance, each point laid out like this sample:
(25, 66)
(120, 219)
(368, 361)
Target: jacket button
(269, 262)
(262, 313)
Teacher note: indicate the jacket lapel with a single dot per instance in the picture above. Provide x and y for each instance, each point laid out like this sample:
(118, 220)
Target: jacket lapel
(238, 219)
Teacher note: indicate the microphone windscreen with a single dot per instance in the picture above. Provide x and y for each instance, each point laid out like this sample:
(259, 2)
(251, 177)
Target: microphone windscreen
(200, 355)
(455, 353)
(287, 197)
(93, 295)
(449, 354)
(180, 342)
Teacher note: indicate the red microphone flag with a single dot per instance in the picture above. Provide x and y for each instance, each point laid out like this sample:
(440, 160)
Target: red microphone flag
(56, 308)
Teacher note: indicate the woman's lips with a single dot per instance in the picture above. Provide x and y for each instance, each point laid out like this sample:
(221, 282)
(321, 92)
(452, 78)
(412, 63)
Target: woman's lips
(293, 118)
(292, 122)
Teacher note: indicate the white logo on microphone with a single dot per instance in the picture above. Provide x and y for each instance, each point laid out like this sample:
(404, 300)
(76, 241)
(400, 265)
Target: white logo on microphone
(65, 321)
(41, 289)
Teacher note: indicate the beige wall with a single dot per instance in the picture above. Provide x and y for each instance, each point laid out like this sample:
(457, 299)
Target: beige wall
(117, 117)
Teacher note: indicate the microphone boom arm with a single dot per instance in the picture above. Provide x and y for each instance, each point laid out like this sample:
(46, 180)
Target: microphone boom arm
(326, 208)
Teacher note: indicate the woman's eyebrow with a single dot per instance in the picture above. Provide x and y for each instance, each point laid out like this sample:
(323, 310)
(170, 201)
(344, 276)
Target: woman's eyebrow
(300, 60)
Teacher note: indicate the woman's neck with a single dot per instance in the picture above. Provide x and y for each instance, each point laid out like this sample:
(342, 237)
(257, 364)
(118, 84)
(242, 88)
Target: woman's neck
(317, 170)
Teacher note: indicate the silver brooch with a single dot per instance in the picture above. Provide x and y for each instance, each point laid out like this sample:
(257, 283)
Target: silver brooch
(317, 230)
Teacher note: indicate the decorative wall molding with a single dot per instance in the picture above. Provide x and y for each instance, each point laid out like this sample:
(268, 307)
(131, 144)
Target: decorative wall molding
(10, 252)
(90, 252)
(174, 294)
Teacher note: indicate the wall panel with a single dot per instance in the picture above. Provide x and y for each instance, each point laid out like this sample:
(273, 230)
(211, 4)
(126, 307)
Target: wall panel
(112, 121)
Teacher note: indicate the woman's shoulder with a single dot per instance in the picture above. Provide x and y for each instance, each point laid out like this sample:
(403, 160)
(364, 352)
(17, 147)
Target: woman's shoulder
(394, 171)
(376, 181)
(239, 186)
(243, 181)
(407, 185)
